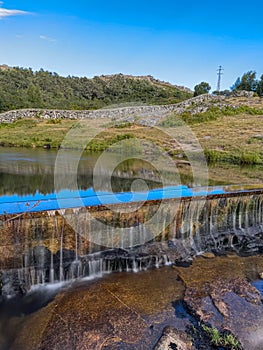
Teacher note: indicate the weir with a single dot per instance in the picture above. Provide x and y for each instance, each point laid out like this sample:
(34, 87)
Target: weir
(47, 246)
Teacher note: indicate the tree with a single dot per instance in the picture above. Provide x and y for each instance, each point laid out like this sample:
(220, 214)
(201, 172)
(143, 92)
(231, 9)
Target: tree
(248, 82)
(23, 88)
(202, 88)
(259, 90)
(34, 96)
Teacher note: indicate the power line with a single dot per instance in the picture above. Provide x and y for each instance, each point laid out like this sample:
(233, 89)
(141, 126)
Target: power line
(220, 73)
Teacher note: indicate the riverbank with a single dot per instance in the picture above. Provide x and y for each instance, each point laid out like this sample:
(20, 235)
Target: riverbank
(133, 311)
(229, 131)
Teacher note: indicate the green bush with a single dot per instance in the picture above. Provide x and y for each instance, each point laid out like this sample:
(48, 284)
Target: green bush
(250, 158)
(239, 158)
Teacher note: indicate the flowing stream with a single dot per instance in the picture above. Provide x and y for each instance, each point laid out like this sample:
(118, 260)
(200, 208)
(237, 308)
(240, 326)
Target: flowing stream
(52, 254)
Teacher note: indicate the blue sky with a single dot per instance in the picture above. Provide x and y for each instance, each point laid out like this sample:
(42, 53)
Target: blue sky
(176, 41)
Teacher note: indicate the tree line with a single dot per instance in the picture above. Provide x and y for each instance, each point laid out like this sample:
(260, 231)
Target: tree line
(24, 88)
(247, 82)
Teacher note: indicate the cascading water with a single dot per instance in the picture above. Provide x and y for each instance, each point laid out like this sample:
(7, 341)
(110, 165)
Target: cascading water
(42, 248)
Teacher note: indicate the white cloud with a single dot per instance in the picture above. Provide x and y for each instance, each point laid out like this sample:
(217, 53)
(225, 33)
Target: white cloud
(7, 13)
(44, 37)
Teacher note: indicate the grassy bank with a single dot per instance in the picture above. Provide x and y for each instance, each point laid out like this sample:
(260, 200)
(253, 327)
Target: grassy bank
(230, 135)
(233, 138)
(36, 132)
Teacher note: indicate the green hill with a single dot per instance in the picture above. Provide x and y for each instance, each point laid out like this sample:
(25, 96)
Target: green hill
(24, 88)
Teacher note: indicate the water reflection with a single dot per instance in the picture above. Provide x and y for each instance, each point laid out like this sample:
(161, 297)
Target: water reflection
(31, 172)
(27, 172)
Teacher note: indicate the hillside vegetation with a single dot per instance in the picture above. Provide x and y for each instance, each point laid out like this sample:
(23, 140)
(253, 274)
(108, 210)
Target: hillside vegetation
(23, 88)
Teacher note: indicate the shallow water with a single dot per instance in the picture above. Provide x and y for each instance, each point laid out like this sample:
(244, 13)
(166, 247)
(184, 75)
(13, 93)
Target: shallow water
(142, 295)
(15, 310)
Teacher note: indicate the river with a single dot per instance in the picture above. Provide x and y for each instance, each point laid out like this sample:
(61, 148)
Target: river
(29, 174)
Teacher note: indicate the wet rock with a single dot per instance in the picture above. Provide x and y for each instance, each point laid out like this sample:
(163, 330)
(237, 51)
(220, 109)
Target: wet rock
(130, 311)
(233, 305)
(173, 338)
(12, 284)
(121, 312)
(68, 256)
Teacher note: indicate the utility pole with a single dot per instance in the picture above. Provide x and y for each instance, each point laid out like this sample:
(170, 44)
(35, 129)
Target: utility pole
(219, 73)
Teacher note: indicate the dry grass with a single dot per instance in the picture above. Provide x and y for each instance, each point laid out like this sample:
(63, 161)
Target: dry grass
(255, 102)
(232, 133)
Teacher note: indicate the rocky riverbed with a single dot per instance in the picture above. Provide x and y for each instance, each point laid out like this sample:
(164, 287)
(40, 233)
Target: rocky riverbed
(168, 308)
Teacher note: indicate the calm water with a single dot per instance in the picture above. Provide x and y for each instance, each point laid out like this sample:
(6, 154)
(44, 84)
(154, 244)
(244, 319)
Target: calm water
(27, 171)
(27, 177)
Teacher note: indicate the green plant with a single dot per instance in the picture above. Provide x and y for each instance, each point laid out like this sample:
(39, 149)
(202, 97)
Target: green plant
(250, 158)
(54, 121)
(230, 341)
(212, 155)
(213, 333)
(219, 339)
(123, 125)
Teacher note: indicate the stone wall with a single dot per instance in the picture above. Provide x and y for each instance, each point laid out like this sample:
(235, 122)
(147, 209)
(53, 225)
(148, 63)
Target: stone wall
(114, 113)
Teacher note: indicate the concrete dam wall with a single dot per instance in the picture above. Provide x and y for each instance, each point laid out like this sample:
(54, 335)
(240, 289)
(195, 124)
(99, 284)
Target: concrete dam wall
(51, 246)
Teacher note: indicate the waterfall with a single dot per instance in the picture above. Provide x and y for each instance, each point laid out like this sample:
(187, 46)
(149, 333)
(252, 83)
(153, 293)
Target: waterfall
(42, 248)
(95, 267)
(61, 270)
